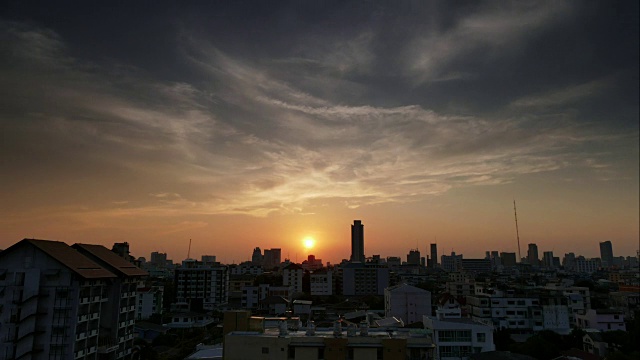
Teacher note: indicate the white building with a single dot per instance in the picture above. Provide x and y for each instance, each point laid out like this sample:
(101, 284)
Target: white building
(253, 295)
(407, 302)
(603, 320)
(516, 313)
(587, 266)
(322, 282)
(149, 301)
(292, 276)
(456, 337)
(203, 285)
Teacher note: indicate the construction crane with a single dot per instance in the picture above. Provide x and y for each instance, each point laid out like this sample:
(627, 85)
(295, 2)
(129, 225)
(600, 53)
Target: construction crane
(515, 213)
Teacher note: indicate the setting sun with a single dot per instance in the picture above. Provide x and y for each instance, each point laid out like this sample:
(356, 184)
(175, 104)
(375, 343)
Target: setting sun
(308, 242)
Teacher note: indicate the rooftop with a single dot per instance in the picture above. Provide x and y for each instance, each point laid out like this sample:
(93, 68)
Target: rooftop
(68, 257)
(111, 260)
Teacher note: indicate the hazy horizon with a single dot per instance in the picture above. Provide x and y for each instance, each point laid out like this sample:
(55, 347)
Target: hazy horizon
(247, 124)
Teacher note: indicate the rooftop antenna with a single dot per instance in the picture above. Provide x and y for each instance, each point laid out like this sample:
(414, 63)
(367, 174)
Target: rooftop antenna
(515, 213)
(189, 252)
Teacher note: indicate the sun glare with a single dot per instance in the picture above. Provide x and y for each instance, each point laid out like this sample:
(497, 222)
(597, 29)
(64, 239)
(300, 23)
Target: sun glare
(308, 242)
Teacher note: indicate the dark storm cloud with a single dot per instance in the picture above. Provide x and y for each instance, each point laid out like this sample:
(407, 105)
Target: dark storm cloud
(248, 108)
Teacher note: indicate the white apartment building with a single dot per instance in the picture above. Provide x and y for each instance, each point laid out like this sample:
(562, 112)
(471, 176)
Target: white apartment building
(603, 320)
(321, 282)
(407, 303)
(246, 268)
(587, 266)
(516, 313)
(200, 284)
(149, 301)
(253, 295)
(456, 337)
(57, 302)
(292, 276)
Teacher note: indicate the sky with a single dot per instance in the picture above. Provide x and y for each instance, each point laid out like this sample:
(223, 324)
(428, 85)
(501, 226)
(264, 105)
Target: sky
(239, 124)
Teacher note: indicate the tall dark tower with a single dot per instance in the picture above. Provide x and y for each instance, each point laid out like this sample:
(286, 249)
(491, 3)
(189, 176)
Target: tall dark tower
(606, 253)
(357, 241)
(434, 256)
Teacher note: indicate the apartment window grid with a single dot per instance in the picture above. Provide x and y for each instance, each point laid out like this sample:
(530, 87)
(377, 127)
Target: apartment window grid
(454, 336)
(454, 351)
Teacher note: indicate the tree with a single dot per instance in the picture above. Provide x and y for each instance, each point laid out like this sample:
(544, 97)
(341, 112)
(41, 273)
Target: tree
(502, 339)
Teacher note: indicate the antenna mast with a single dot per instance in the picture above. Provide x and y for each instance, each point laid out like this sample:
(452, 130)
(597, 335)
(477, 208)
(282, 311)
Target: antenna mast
(189, 252)
(515, 213)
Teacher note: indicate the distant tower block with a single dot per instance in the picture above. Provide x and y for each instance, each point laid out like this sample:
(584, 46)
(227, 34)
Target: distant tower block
(357, 241)
(434, 255)
(606, 253)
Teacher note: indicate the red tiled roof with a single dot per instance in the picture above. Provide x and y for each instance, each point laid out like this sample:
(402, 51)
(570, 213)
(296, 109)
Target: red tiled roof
(69, 257)
(110, 260)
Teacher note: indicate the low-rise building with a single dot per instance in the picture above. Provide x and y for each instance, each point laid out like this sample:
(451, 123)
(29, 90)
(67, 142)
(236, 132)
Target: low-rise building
(321, 282)
(149, 301)
(312, 344)
(407, 302)
(603, 320)
(456, 337)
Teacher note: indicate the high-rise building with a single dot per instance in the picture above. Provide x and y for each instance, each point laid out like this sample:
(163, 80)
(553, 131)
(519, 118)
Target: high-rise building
(569, 261)
(547, 259)
(508, 259)
(413, 257)
(292, 276)
(158, 258)
(202, 285)
(532, 255)
(451, 263)
(256, 257)
(357, 241)
(606, 253)
(272, 258)
(434, 255)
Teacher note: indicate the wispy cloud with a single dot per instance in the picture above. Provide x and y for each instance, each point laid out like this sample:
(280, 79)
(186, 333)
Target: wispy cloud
(246, 141)
(495, 29)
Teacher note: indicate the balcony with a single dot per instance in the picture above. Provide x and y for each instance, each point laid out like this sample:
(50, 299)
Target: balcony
(107, 344)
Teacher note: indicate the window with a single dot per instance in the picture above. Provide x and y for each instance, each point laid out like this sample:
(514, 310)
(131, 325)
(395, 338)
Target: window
(454, 335)
(481, 337)
(454, 351)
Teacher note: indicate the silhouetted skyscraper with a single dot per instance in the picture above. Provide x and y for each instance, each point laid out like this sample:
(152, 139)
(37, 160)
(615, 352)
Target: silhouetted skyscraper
(357, 241)
(434, 255)
(532, 255)
(256, 256)
(606, 253)
(413, 258)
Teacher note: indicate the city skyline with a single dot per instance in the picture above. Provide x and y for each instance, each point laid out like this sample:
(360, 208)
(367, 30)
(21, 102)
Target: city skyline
(248, 124)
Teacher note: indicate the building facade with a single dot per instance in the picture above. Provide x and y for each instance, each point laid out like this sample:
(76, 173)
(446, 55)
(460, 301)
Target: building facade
(57, 302)
(202, 285)
(407, 303)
